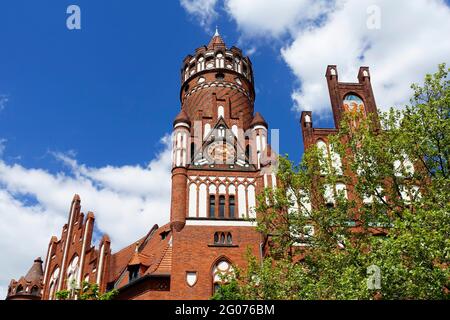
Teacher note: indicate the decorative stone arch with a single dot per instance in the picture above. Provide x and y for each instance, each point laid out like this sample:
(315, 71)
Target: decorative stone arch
(19, 289)
(53, 282)
(353, 101)
(34, 291)
(73, 269)
(222, 266)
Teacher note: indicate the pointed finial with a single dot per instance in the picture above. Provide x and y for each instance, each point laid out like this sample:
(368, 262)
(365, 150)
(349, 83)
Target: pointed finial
(217, 32)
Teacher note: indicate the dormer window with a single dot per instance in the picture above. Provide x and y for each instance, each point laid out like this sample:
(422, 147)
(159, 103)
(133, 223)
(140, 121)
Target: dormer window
(133, 273)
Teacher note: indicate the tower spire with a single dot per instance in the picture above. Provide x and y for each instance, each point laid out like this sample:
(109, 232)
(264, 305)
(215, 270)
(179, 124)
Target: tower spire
(216, 34)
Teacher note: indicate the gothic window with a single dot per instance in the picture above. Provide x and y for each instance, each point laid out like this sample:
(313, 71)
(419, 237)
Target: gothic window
(35, 291)
(229, 238)
(353, 103)
(220, 112)
(223, 238)
(212, 205)
(247, 149)
(53, 283)
(232, 206)
(72, 272)
(220, 62)
(221, 206)
(207, 130)
(19, 289)
(222, 272)
(201, 64)
(209, 62)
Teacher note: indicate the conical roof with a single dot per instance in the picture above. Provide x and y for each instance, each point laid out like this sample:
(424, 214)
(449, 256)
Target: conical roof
(216, 41)
(35, 273)
(182, 117)
(258, 120)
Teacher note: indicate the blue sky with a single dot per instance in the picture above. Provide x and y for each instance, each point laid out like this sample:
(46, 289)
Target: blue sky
(88, 111)
(109, 92)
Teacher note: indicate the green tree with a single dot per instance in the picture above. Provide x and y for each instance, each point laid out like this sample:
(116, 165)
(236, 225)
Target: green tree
(387, 236)
(88, 291)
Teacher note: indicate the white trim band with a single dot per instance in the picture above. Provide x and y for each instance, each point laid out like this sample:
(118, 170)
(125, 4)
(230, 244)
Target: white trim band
(221, 223)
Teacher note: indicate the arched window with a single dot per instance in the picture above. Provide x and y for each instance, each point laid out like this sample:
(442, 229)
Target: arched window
(222, 273)
(220, 112)
(232, 206)
(212, 205)
(323, 150)
(53, 283)
(35, 291)
(220, 62)
(209, 62)
(353, 103)
(19, 289)
(229, 238)
(200, 64)
(207, 130)
(72, 272)
(221, 206)
(216, 238)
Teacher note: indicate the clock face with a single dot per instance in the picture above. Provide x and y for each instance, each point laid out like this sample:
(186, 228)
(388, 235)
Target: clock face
(221, 152)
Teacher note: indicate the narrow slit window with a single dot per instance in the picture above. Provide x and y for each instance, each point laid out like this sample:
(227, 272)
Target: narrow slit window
(232, 206)
(221, 206)
(212, 205)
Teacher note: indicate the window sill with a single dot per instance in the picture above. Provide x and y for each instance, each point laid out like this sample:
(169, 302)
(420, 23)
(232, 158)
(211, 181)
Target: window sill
(223, 245)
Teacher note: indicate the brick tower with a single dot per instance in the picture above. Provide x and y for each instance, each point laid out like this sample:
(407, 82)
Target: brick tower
(218, 144)
(221, 160)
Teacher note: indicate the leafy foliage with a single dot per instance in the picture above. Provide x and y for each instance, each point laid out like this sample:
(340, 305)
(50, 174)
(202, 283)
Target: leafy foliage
(393, 217)
(88, 291)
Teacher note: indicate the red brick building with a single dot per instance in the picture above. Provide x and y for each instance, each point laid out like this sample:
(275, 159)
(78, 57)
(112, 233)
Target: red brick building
(220, 151)
(221, 161)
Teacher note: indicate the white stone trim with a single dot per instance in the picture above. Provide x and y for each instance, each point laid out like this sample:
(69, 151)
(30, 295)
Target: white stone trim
(259, 127)
(221, 223)
(182, 124)
(83, 251)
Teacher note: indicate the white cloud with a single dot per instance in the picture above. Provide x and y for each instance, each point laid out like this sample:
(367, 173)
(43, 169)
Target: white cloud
(3, 101)
(410, 43)
(127, 202)
(274, 17)
(202, 10)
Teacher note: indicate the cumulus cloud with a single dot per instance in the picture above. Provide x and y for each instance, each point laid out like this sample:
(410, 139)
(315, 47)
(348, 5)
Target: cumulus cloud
(275, 17)
(34, 204)
(409, 42)
(202, 10)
